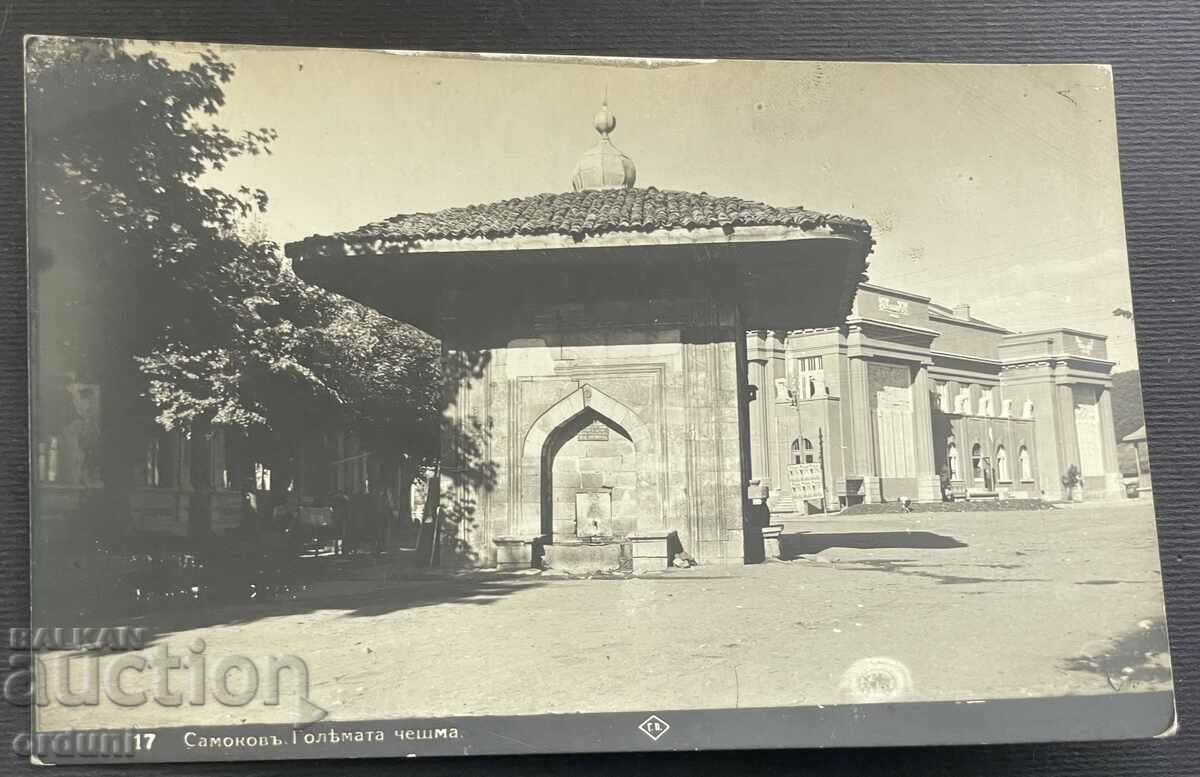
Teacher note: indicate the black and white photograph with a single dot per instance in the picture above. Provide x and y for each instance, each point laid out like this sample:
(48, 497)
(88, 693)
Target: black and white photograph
(391, 402)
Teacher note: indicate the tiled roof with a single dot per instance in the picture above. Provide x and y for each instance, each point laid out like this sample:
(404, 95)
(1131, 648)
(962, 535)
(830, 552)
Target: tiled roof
(949, 313)
(585, 213)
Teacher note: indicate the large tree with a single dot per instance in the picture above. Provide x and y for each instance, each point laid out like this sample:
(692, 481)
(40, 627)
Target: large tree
(294, 360)
(123, 233)
(158, 291)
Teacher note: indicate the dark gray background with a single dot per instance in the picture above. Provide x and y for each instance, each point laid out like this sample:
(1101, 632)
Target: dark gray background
(1154, 47)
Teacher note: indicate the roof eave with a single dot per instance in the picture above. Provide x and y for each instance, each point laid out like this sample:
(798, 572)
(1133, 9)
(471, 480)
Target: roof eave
(333, 246)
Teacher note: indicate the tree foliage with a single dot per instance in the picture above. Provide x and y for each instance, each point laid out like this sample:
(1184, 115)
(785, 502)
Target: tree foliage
(166, 295)
(294, 358)
(126, 243)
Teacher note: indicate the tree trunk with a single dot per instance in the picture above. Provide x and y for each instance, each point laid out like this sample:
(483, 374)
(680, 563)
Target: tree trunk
(200, 509)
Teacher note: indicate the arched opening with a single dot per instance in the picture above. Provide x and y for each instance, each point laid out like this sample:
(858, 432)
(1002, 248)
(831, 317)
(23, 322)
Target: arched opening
(952, 461)
(1002, 465)
(629, 477)
(1026, 464)
(981, 468)
(803, 451)
(590, 479)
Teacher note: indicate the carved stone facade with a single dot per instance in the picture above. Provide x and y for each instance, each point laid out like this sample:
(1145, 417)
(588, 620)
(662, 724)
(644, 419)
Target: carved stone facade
(638, 422)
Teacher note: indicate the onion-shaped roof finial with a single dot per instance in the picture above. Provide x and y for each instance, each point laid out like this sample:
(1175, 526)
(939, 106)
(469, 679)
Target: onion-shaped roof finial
(604, 166)
(604, 121)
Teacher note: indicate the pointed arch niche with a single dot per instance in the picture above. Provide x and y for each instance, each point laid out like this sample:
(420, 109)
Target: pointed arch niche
(588, 470)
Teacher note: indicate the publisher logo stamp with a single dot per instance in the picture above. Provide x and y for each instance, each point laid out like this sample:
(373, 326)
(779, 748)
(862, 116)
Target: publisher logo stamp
(654, 727)
(876, 680)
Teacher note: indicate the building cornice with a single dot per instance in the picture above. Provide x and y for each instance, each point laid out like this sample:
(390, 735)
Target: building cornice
(893, 292)
(1050, 360)
(966, 357)
(936, 315)
(861, 321)
(1055, 330)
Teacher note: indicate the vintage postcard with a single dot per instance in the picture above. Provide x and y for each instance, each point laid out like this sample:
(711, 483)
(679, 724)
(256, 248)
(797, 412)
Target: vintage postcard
(396, 403)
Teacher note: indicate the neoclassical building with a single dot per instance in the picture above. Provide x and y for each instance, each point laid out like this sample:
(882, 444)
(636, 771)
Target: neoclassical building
(907, 393)
(608, 324)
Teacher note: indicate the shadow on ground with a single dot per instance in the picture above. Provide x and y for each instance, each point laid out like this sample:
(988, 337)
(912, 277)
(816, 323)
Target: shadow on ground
(905, 566)
(793, 545)
(1137, 657)
(385, 598)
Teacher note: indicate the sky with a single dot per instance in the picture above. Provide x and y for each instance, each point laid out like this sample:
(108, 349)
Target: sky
(991, 185)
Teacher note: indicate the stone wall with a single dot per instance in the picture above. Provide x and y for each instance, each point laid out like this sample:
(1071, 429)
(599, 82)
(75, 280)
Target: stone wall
(667, 396)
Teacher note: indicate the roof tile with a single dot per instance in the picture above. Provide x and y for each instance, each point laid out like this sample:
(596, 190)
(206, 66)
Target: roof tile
(589, 212)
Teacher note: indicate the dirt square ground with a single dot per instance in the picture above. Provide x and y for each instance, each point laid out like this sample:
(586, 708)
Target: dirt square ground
(951, 605)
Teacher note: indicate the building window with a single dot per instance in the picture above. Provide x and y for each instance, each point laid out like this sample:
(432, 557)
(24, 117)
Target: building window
(47, 460)
(986, 409)
(225, 457)
(153, 463)
(350, 465)
(1026, 464)
(976, 462)
(1002, 465)
(952, 461)
(262, 476)
(962, 401)
(220, 451)
(943, 397)
(159, 467)
(811, 377)
(803, 451)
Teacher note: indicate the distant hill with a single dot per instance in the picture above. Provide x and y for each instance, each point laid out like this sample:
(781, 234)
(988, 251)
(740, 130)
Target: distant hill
(1127, 402)
(1128, 418)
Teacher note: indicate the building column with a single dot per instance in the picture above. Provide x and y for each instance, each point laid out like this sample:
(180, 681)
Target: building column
(1068, 441)
(782, 425)
(759, 408)
(863, 431)
(1114, 486)
(775, 466)
(929, 484)
(756, 377)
